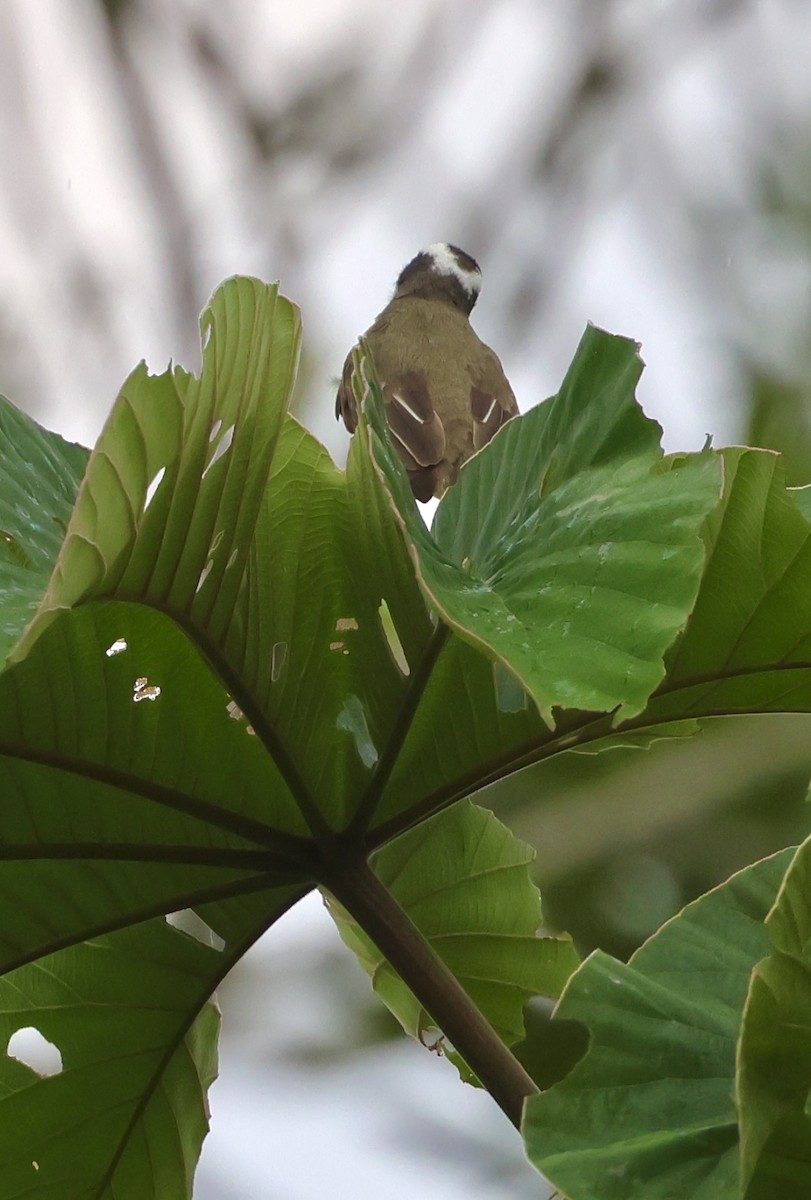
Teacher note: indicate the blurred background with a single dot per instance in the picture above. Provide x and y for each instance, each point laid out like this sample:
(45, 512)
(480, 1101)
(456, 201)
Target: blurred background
(642, 164)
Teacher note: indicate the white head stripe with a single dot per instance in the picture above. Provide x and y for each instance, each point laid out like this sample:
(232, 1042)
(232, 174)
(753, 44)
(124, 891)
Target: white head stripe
(447, 263)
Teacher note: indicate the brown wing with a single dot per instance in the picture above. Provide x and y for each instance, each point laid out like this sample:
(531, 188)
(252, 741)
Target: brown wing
(491, 401)
(445, 408)
(417, 430)
(344, 400)
(415, 425)
(413, 419)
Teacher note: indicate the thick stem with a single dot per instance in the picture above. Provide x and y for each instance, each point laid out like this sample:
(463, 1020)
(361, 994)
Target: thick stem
(361, 893)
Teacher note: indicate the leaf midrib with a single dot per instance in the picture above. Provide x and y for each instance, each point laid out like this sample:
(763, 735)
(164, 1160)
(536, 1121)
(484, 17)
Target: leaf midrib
(594, 728)
(174, 1043)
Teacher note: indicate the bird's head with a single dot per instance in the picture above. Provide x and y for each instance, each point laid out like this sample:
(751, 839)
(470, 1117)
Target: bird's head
(441, 272)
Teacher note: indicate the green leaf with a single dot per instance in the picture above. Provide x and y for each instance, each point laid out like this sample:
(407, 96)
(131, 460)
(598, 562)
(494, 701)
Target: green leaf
(454, 718)
(169, 503)
(129, 1015)
(774, 1082)
(802, 498)
(127, 1113)
(236, 678)
(464, 880)
(569, 548)
(650, 1109)
(41, 474)
(318, 665)
(125, 809)
(131, 784)
(747, 646)
(593, 421)
(778, 420)
(163, 751)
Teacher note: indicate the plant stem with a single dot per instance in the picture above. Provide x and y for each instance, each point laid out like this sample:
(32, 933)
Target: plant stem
(355, 886)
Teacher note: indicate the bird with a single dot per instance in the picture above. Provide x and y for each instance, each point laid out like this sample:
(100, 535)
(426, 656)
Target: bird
(444, 390)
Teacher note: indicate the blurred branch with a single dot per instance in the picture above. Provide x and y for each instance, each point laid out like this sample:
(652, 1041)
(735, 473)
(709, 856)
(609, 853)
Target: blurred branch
(172, 221)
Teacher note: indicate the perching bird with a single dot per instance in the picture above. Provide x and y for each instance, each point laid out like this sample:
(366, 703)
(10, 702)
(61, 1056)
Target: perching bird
(445, 392)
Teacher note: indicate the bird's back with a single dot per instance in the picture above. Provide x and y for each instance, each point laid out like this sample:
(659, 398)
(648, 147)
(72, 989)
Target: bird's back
(445, 390)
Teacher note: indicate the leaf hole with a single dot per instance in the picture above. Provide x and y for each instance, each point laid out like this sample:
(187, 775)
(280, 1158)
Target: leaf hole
(153, 487)
(236, 714)
(433, 1040)
(204, 574)
(142, 689)
(393, 639)
(31, 1048)
(187, 922)
(116, 647)
(222, 447)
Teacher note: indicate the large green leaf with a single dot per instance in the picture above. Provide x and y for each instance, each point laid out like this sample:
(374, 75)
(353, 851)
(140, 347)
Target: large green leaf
(574, 560)
(166, 745)
(146, 807)
(650, 1110)
(132, 1090)
(464, 881)
(128, 1012)
(168, 506)
(319, 666)
(778, 419)
(459, 715)
(747, 646)
(130, 785)
(774, 1091)
(235, 676)
(40, 473)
